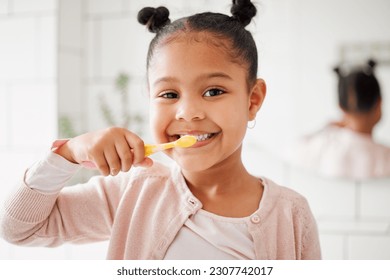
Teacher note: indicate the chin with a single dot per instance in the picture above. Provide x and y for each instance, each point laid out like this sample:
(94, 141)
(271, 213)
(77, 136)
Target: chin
(193, 164)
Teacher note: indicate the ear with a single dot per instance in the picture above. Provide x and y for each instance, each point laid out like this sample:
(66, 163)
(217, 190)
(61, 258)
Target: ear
(379, 103)
(256, 98)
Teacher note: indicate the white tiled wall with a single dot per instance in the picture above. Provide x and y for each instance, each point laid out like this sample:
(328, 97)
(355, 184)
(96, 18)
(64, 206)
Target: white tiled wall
(71, 24)
(29, 124)
(28, 90)
(334, 199)
(103, 7)
(71, 56)
(95, 92)
(368, 247)
(120, 40)
(375, 199)
(18, 48)
(3, 7)
(36, 6)
(46, 48)
(332, 246)
(3, 114)
(341, 210)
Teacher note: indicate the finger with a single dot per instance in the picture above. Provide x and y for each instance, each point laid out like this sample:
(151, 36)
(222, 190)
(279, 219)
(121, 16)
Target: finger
(101, 164)
(125, 154)
(147, 162)
(137, 146)
(113, 160)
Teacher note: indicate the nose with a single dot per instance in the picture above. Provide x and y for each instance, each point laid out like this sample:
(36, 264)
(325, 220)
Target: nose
(189, 109)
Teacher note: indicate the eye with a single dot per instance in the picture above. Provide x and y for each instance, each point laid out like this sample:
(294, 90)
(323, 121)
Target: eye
(169, 95)
(213, 92)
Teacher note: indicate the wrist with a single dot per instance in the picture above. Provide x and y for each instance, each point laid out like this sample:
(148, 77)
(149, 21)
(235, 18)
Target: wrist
(60, 147)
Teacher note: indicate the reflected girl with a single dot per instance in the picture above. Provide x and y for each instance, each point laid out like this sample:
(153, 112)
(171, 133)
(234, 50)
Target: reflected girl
(346, 148)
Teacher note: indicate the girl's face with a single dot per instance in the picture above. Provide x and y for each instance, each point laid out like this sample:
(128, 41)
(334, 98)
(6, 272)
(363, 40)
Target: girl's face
(196, 89)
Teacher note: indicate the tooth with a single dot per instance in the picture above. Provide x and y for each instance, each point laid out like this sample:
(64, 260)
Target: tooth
(200, 137)
(203, 137)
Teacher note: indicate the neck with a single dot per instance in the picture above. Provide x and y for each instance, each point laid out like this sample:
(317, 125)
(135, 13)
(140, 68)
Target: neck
(221, 178)
(226, 189)
(359, 123)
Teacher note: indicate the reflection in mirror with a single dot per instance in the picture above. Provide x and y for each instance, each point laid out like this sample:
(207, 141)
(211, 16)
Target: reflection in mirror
(345, 148)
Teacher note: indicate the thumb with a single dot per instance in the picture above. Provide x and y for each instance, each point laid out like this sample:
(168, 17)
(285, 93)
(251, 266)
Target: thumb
(146, 162)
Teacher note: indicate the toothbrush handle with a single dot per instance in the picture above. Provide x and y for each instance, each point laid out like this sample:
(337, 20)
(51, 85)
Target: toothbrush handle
(151, 149)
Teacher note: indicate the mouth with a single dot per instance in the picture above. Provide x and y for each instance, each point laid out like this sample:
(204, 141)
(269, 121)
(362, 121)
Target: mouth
(200, 137)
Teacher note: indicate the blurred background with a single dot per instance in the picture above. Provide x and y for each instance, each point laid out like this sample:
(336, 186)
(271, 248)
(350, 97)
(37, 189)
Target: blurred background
(70, 66)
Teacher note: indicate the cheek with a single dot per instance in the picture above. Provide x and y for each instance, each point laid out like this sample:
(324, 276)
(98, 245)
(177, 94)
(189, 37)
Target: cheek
(236, 131)
(237, 115)
(161, 116)
(156, 121)
(238, 123)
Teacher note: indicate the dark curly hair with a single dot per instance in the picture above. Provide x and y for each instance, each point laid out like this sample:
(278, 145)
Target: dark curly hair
(358, 91)
(241, 47)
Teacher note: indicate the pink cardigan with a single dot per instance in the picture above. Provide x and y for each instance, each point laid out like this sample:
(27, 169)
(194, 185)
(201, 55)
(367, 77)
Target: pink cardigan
(142, 211)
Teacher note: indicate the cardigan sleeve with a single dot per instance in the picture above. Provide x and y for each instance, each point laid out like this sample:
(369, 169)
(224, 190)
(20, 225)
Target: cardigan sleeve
(311, 249)
(79, 214)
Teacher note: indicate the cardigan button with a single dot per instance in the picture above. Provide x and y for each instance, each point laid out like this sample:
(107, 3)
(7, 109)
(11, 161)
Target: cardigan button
(255, 219)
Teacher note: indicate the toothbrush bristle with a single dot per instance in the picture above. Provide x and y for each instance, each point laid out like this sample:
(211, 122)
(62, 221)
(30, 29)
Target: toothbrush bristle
(186, 141)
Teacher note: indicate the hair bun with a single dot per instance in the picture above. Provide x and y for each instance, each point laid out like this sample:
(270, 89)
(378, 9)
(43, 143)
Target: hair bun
(243, 11)
(372, 63)
(154, 18)
(371, 66)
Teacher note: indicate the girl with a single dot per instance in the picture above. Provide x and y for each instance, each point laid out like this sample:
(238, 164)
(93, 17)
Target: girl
(346, 148)
(202, 81)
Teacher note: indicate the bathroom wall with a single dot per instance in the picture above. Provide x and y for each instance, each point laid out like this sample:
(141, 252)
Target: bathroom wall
(27, 73)
(28, 88)
(28, 85)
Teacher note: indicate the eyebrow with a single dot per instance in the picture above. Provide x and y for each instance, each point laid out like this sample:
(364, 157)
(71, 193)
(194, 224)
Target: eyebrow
(201, 77)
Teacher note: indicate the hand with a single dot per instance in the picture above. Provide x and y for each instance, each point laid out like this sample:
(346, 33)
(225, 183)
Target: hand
(111, 150)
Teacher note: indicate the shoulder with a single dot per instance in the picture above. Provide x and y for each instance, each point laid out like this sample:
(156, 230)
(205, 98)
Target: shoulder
(276, 191)
(326, 133)
(291, 211)
(284, 197)
(312, 143)
(293, 206)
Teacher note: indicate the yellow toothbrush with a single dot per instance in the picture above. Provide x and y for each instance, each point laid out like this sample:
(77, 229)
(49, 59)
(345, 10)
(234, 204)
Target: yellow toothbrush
(183, 142)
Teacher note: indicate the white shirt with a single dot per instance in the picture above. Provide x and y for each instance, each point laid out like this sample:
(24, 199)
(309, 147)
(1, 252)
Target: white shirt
(208, 236)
